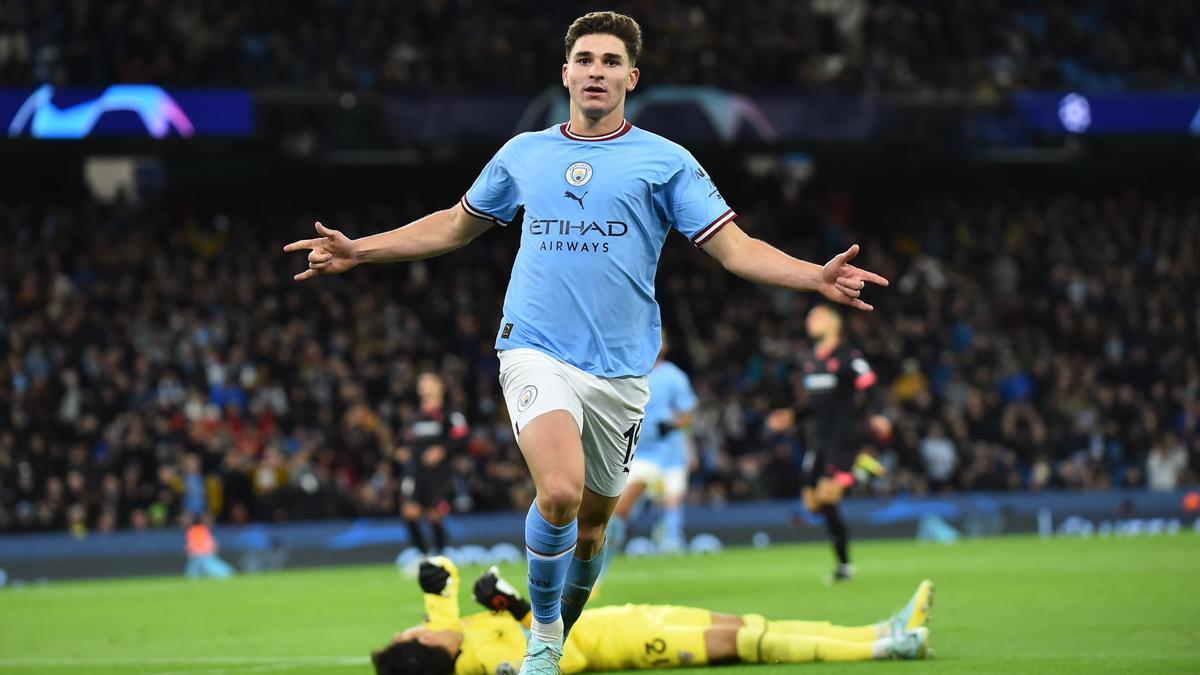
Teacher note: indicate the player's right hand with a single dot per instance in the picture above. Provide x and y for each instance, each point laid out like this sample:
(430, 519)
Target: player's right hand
(493, 592)
(438, 576)
(843, 283)
(331, 253)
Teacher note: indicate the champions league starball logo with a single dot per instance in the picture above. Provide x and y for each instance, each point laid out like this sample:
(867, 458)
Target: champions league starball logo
(158, 112)
(1075, 113)
(579, 173)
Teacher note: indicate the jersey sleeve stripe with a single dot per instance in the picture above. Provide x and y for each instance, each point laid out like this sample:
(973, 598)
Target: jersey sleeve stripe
(480, 214)
(712, 228)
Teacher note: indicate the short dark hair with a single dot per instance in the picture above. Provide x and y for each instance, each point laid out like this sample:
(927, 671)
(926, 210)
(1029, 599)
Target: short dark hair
(607, 23)
(410, 657)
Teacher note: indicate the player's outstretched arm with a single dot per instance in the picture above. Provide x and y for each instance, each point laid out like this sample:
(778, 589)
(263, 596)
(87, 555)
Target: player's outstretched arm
(439, 581)
(437, 233)
(758, 261)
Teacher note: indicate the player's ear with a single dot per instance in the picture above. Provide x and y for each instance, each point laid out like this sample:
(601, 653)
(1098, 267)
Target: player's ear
(564, 76)
(634, 75)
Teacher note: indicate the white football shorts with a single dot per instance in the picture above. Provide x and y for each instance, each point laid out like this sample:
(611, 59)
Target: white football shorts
(608, 410)
(660, 482)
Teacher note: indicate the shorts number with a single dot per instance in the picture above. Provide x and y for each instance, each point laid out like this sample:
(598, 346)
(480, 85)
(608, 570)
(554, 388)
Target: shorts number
(657, 646)
(631, 436)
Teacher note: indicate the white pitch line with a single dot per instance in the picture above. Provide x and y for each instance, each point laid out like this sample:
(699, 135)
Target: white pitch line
(256, 669)
(242, 661)
(218, 671)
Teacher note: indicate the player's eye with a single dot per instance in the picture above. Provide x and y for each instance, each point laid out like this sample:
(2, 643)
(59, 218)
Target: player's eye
(613, 62)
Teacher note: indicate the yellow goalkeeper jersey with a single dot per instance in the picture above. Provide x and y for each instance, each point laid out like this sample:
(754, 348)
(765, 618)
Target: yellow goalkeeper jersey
(633, 637)
(493, 643)
(621, 637)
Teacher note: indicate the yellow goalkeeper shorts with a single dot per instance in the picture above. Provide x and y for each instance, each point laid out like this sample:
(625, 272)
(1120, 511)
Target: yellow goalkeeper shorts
(641, 637)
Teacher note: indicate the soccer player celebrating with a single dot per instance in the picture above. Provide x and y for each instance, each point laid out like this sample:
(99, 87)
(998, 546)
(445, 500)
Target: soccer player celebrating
(631, 637)
(834, 373)
(580, 327)
(661, 462)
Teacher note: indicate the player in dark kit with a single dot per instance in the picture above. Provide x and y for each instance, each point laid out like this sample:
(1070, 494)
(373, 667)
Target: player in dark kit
(435, 438)
(833, 373)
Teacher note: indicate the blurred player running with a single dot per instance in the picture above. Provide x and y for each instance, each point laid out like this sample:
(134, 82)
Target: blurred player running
(631, 637)
(833, 372)
(660, 466)
(580, 326)
(434, 438)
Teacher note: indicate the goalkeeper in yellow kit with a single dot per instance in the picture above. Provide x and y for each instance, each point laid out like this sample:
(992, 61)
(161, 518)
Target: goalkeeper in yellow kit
(630, 637)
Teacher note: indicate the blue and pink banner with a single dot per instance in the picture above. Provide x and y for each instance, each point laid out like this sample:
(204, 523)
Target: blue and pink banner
(686, 114)
(125, 110)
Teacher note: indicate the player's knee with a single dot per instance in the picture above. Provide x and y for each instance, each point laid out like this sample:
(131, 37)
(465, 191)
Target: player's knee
(591, 537)
(828, 492)
(559, 499)
(755, 621)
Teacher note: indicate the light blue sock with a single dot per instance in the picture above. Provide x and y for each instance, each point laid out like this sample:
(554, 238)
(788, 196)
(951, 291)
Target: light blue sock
(614, 542)
(672, 524)
(548, 549)
(581, 577)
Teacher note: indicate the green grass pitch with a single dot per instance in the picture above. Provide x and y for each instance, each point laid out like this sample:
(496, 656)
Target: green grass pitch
(1006, 605)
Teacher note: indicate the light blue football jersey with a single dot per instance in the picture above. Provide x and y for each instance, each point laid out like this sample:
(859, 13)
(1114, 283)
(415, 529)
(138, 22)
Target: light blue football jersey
(670, 395)
(597, 211)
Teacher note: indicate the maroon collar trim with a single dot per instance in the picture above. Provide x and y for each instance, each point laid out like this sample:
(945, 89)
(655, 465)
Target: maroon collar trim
(565, 128)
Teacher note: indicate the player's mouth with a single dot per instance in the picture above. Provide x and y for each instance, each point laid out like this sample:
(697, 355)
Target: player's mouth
(594, 91)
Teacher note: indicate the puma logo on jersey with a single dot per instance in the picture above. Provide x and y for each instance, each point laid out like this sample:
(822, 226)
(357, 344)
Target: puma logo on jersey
(569, 195)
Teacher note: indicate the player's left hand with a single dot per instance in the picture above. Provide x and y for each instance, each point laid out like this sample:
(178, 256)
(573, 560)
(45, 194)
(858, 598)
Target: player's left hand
(843, 283)
(495, 593)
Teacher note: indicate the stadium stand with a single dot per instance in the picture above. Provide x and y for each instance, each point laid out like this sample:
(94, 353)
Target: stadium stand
(159, 360)
(859, 45)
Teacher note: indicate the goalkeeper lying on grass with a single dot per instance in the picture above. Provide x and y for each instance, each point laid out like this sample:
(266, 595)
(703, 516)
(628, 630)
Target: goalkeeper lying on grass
(630, 636)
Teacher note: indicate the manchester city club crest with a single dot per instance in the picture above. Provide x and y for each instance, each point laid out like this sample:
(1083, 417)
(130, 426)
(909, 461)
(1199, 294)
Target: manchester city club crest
(579, 173)
(526, 398)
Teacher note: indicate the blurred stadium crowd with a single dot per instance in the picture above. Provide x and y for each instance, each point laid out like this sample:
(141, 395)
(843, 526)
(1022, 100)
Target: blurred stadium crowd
(931, 46)
(161, 361)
